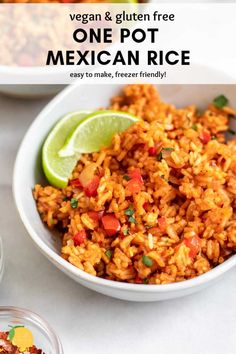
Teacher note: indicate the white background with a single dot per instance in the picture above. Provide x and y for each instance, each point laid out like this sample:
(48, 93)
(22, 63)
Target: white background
(89, 323)
(207, 30)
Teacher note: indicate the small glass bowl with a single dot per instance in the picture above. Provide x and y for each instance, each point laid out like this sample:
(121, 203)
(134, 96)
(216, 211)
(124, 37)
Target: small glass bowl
(44, 336)
(1, 260)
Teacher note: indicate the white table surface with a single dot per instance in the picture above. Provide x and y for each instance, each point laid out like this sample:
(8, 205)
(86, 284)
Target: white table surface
(87, 322)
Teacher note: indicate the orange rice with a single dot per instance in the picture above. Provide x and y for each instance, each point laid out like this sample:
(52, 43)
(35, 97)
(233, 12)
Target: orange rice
(181, 220)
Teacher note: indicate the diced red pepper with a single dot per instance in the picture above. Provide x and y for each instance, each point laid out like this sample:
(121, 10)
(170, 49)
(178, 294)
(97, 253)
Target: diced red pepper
(80, 237)
(162, 224)
(194, 243)
(152, 151)
(96, 215)
(138, 280)
(134, 186)
(111, 224)
(136, 182)
(91, 188)
(75, 183)
(145, 206)
(205, 137)
(136, 174)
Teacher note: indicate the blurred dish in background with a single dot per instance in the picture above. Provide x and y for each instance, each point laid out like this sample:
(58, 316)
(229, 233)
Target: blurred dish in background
(23, 331)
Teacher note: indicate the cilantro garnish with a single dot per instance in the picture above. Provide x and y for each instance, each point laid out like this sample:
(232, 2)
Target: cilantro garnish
(147, 261)
(129, 211)
(168, 149)
(109, 253)
(125, 231)
(159, 156)
(132, 219)
(220, 101)
(74, 203)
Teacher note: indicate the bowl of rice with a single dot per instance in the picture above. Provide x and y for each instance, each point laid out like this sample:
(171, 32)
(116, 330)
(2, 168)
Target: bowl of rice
(168, 183)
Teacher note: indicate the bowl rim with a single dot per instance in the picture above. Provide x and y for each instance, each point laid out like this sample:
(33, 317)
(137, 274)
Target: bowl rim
(78, 273)
(37, 320)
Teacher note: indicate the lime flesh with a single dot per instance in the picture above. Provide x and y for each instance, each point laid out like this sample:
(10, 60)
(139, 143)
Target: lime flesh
(96, 132)
(58, 169)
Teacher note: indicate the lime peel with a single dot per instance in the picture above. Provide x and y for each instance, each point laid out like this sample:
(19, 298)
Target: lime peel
(96, 131)
(76, 133)
(56, 169)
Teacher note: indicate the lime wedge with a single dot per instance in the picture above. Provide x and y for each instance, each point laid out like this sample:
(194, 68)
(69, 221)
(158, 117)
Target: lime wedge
(57, 169)
(96, 131)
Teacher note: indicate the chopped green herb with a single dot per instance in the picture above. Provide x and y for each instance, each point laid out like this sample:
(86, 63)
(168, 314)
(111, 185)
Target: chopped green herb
(168, 149)
(129, 212)
(147, 261)
(126, 177)
(126, 231)
(213, 137)
(145, 281)
(132, 219)
(220, 101)
(108, 253)
(74, 203)
(194, 127)
(159, 156)
(232, 132)
(65, 199)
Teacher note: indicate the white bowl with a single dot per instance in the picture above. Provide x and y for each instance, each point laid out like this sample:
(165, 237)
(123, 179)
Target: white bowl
(28, 172)
(1, 259)
(30, 91)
